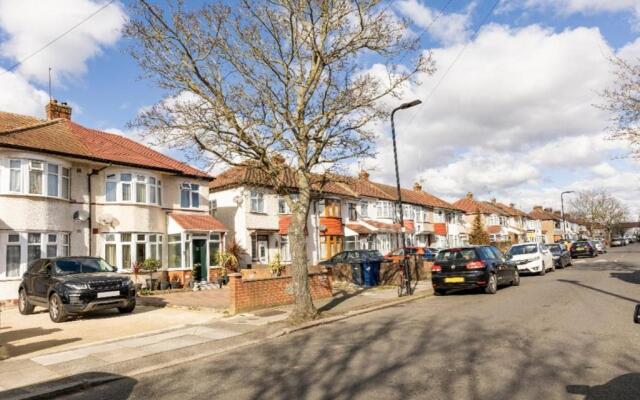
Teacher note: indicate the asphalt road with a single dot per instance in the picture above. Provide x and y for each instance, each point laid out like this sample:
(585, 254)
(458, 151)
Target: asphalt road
(567, 335)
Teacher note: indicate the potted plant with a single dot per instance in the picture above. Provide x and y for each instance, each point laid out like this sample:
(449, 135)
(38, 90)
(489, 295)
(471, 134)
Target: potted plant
(227, 261)
(150, 266)
(195, 275)
(276, 266)
(135, 268)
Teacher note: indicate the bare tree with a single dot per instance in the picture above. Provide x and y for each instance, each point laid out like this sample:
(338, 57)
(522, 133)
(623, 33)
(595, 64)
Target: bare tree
(282, 84)
(622, 100)
(598, 209)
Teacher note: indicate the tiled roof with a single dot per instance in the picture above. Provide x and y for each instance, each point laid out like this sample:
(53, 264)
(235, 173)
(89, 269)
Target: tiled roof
(417, 197)
(359, 229)
(254, 175)
(383, 226)
(542, 215)
(63, 137)
(512, 211)
(471, 206)
(197, 222)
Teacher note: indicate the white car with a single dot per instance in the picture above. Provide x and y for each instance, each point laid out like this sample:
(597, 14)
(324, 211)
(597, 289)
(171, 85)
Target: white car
(532, 257)
(600, 246)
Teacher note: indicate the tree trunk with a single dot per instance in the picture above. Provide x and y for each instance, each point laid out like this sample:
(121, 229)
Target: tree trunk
(303, 309)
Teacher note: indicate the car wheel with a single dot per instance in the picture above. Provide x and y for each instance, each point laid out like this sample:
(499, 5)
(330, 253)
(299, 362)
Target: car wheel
(24, 306)
(128, 309)
(516, 278)
(492, 285)
(543, 270)
(439, 292)
(57, 312)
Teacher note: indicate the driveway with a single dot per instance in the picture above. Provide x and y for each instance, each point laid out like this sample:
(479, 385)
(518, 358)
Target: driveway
(26, 336)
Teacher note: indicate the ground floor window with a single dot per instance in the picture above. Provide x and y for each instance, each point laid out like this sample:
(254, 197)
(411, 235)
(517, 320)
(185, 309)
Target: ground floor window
(351, 243)
(285, 250)
(121, 249)
(18, 249)
(214, 249)
(259, 248)
(180, 245)
(330, 245)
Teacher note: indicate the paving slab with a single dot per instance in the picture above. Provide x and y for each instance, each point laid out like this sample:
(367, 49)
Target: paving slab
(173, 344)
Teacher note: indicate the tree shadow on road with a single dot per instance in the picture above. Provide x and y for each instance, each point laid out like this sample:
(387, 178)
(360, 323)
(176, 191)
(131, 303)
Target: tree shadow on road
(624, 387)
(578, 283)
(630, 277)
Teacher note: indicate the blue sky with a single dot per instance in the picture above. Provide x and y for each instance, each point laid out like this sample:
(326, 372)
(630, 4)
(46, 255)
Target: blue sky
(513, 118)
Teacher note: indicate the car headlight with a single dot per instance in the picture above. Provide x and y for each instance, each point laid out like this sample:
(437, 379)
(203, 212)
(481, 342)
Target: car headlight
(127, 283)
(533, 259)
(76, 286)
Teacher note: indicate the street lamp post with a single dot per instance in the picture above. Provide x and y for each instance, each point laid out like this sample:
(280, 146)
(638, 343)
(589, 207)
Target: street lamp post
(405, 265)
(564, 234)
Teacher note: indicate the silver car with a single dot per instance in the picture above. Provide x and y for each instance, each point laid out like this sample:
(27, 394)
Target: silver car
(599, 244)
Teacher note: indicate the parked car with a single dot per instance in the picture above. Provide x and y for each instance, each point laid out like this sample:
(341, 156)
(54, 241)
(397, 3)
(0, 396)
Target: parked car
(600, 246)
(472, 267)
(74, 285)
(583, 248)
(398, 254)
(561, 256)
(617, 242)
(349, 256)
(636, 314)
(531, 258)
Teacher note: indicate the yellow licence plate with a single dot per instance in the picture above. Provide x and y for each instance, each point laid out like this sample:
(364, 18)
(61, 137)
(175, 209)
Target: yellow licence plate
(455, 279)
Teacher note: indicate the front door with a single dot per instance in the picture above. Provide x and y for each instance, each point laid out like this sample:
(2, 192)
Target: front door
(263, 251)
(200, 257)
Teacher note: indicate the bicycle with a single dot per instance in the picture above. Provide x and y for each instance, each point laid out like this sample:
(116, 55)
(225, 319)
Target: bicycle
(405, 286)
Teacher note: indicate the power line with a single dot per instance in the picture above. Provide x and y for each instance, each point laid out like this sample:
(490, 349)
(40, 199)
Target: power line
(20, 62)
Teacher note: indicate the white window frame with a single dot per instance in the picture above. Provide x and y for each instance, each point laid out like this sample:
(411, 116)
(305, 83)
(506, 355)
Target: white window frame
(131, 181)
(256, 200)
(61, 242)
(192, 189)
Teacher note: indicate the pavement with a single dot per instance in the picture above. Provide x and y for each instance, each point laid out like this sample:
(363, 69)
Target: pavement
(52, 358)
(566, 335)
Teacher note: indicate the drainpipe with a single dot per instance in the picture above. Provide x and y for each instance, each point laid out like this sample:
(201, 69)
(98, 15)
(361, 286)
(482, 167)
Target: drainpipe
(90, 219)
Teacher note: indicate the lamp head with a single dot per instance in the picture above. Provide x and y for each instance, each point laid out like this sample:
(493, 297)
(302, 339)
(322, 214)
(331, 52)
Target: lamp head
(409, 104)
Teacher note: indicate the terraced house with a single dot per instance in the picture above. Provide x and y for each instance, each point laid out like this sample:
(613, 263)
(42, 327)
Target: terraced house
(70, 190)
(504, 223)
(346, 213)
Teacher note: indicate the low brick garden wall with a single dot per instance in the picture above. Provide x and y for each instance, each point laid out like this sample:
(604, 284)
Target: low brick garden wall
(389, 272)
(267, 291)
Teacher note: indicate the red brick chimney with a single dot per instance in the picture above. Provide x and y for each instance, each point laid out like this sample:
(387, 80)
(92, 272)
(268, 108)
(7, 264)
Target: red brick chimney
(417, 187)
(56, 110)
(364, 175)
(548, 209)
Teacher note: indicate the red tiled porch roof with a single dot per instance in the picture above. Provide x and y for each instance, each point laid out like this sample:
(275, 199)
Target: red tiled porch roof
(493, 229)
(360, 229)
(197, 222)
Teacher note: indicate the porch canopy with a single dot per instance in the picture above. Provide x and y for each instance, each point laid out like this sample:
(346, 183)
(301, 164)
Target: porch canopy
(197, 222)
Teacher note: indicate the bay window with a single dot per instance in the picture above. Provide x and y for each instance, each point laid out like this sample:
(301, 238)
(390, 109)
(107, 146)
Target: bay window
(175, 251)
(22, 248)
(37, 177)
(135, 188)
(214, 249)
(285, 250)
(121, 249)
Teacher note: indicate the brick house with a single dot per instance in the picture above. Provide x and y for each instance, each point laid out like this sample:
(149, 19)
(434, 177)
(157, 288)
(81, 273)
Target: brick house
(550, 221)
(346, 213)
(70, 190)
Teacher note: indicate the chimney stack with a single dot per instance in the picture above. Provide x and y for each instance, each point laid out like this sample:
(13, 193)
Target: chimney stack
(469, 195)
(56, 110)
(417, 187)
(557, 213)
(363, 174)
(539, 208)
(548, 209)
(494, 200)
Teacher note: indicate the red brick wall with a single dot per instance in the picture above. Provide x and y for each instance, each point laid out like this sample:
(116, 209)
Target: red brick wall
(253, 294)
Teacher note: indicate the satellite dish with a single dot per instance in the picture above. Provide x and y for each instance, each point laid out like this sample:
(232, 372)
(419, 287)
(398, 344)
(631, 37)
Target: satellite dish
(81, 216)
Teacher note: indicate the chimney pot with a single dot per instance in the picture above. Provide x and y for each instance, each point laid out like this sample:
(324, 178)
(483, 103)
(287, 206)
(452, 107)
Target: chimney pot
(56, 110)
(494, 200)
(537, 207)
(469, 195)
(417, 187)
(512, 205)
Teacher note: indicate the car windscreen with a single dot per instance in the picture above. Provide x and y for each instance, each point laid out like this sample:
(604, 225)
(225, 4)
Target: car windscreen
(457, 255)
(82, 265)
(555, 248)
(523, 249)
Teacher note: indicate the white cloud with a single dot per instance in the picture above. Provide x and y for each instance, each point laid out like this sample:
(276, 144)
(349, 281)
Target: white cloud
(446, 28)
(30, 24)
(587, 6)
(20, 97)
(604, 169)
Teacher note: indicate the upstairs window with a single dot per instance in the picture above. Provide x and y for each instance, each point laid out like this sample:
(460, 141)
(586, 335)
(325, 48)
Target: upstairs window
(330, 207)
(15, 176)
(364, 209)
(257, 202)
(283, 207)
(189, 195)
(128, 187)
(353, 213)
(213, 207)
(35, 176)
(38, 177)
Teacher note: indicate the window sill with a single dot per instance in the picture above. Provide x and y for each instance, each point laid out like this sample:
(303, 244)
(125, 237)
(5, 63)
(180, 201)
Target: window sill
(37, 196)
(127, 203)
(258, 212)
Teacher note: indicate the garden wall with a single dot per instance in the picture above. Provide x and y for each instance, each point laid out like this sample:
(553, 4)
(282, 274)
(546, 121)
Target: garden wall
(389, 272)
(252, 294)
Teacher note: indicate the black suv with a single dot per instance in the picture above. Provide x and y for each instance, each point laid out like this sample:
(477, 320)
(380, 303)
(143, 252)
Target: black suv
(472, 267)
(74, 285)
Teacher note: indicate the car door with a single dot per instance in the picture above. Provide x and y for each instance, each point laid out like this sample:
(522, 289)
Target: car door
(546, 256)
(29, 278)
(500, 264)
(41, 280)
